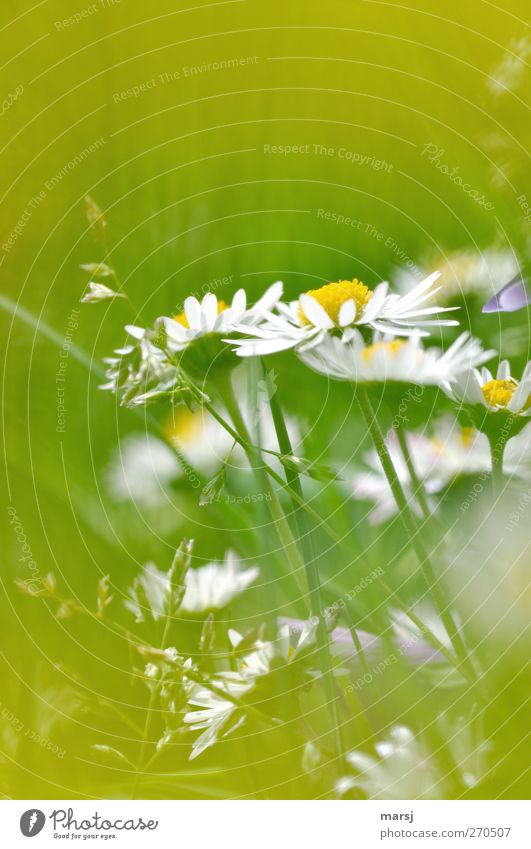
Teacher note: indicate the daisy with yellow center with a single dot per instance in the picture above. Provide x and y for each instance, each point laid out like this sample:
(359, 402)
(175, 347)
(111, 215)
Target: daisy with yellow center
(502, 393)
(182, 319)
(213, 316)
(389, 359)
(336, 309)
(333, 296)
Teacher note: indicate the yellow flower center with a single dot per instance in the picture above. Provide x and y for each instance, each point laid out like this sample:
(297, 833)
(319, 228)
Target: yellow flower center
(181, 317)
(498, 393)
(391, 347)
(467, 436)
(334, 295)
(184, 427)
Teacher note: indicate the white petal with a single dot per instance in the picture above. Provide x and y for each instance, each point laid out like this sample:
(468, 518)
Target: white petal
(270, 297)
(239, 303)
(504, 371)
(192, 311)
(347, 313)
(315, 313)
(209, 312)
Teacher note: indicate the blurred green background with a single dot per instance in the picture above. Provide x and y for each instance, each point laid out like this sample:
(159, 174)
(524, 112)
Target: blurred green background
(169, 117)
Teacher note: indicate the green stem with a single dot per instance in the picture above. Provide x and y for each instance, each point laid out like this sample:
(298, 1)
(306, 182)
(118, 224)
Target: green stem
(409, 523)
(242, 436)
(496, 454)
(417, 486)
(311, 570)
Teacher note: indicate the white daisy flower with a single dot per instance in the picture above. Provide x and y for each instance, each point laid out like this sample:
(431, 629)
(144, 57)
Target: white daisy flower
(390, 359)
(338, 306)
(209, 587)
(209, 315)
(500, 394)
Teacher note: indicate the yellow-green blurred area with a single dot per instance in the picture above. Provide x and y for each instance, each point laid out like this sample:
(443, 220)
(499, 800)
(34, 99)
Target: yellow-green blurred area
(229, 144)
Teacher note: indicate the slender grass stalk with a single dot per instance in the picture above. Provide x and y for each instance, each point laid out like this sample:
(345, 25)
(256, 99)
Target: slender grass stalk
(416, 484)
(304, 532)
(141, 763)
(411, 529)
(257, 464)
(496, 455)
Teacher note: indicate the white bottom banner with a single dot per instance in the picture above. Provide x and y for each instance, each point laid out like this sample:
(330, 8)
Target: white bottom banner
(240, 824)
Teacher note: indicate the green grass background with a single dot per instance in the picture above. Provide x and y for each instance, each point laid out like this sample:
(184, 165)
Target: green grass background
(189, 196)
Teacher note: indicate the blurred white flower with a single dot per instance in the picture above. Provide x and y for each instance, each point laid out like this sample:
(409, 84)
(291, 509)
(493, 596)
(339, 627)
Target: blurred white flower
(205, 443)
(306, 322)
(141, 469)
(466, 272)
(209, 587)
(438, 460)
(209, 315)
(388, 359)
(215, 585)
(506, 76)
(404, 768)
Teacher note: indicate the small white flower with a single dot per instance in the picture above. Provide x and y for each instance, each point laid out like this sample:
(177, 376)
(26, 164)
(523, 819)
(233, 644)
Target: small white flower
(138, 367)
(389, 359)
(215, 711)
(500, 394)
(209, 587)
(339, 307)
(209, 315)
(215, 585)
(97, 292)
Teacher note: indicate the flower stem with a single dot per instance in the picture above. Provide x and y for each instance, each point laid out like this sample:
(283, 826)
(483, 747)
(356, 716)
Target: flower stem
(257, 465)
(304, 532)
(410, 525)
(416, 484)
(496, 455)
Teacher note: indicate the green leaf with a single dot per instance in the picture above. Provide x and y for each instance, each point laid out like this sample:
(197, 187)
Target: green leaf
(213, 487)
(302, 466)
